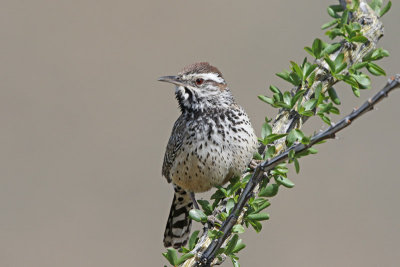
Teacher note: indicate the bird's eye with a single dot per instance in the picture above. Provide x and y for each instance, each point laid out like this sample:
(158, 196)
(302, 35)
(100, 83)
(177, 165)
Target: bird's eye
(199, 81)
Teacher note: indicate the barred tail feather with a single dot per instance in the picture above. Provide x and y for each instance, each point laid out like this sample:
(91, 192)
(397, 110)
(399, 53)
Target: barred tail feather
(178, 225)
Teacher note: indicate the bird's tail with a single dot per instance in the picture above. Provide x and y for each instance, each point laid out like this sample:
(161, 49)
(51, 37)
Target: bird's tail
(178, 225)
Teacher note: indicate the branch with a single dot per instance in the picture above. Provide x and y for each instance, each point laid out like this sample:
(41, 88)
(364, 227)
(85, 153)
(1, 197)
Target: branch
(226, 228)
(286, 120)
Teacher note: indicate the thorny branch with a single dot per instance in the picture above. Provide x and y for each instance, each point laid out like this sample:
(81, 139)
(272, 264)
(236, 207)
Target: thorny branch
(226, 228)
(206, 249)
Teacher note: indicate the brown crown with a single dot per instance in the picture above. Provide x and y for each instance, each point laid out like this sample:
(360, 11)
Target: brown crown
(200, 67)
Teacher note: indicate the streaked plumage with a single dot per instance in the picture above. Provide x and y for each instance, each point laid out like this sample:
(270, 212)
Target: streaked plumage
(211, 142)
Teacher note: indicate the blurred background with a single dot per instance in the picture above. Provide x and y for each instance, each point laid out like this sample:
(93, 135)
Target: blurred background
(84, 125)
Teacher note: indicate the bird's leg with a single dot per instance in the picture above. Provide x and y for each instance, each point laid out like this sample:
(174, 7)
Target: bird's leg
(253, 164)
(196, 206)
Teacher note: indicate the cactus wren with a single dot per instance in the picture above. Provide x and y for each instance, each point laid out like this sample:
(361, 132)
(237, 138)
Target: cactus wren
(211, 142)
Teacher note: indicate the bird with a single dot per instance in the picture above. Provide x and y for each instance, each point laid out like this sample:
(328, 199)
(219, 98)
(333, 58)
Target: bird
(211, 142)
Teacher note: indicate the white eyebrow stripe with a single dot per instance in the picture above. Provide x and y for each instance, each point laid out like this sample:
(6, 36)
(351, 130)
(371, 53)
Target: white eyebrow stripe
(208, 76)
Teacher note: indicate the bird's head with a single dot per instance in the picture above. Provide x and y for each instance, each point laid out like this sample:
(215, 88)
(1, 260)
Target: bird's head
(200, 87)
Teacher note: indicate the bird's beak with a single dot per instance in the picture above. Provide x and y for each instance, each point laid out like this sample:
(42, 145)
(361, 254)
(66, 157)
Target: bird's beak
(171, 79)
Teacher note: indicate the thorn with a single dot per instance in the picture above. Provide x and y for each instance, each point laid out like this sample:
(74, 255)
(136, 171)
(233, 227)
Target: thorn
(370, 100)
(348, 121)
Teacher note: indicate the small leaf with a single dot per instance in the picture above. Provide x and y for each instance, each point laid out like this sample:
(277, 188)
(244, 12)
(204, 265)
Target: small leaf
(239, 246)
(197, 215)
(331, 64)
(360, 65)
(266, 130)
(332, 13)
(329, 24)
(310, 104)
(326, 119)
(296, 165)
(274, 89)
(309, 50)
(285, 182)
(229, 205)
(238, 228)
(205, 205)
(375, 69)
(262, 216)
(385, 9)
(256, 225)
(193, 239)
(317, 48)
(284, 75)
(331, 48)
(269, 191)
(235, 262)
(359, 39)
(184, 258)
(231, 244)
(356, 91)
(266, 99)
(171, 256)
(287, 98)
(333, 95)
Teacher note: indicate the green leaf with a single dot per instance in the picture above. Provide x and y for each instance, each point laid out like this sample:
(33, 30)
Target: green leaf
(376, 54)
(229, 205)
(329, 24)
(274, 89)
(317, 48)
(318, 91)
(331, 64)
(310, 104)
(336, 8)
(184, 258)
(197, 215)
(239, 246)
(270, 152)
(385, 9)
(296, 69)
(360, 65)
(345, 18)
(375, 69)
(262, 216)
(287, 98)
(332, 13)
(266, 130)
(349, 80)
(296, 165)
(326, 119)
(285, 182)
(235, 262)
(359, 39)
(375, 4)
(272, 137)
(363, 80)
(269, 191)
(284, 75)
(231, 244)
(331, 48)
(256, 225)
(171, 256)
(238, 228)
(333, 95)
(297, 97)
(309, 50)
(356, 91)
(214, 234)
(193, 239)
(266, 99)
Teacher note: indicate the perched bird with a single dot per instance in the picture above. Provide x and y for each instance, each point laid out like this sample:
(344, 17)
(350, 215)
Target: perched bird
(211, 142)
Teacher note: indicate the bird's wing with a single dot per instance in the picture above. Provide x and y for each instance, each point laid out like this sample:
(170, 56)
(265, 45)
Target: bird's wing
(173, 147)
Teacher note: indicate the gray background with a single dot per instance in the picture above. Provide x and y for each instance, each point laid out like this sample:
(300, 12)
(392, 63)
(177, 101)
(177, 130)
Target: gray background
(84, 125)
